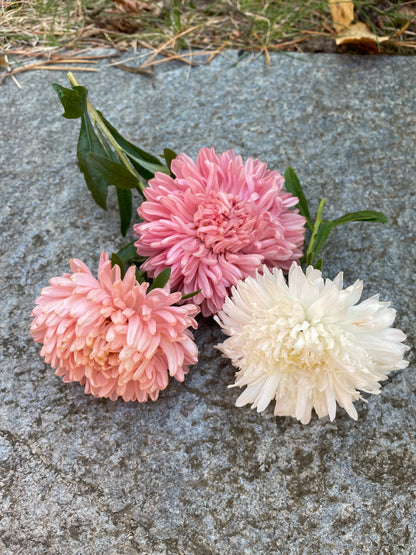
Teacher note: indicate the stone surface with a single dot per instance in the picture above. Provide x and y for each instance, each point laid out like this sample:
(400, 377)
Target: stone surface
(191, 473)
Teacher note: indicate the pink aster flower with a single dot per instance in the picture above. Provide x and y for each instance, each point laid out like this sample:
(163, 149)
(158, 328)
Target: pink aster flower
(217, 222)
(111, 334)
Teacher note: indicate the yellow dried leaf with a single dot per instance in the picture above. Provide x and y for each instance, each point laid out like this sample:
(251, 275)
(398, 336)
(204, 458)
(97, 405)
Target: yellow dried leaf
(359, 33)
(4, 62)
(342, 12)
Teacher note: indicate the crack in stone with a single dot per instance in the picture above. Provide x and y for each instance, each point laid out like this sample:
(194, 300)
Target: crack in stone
(202, 395)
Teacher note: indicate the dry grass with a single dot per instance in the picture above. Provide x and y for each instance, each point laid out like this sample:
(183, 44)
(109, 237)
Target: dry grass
(37, 26)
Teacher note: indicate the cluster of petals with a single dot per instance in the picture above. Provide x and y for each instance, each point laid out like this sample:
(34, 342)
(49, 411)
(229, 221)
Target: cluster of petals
(307, 343)
(111, 335)
(216, 222)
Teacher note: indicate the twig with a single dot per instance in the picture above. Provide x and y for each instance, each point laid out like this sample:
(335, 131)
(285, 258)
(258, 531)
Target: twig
(33, 53)
(132, 69)
(170, 41)
(287, 43)
(318, 33)
(92, 57)
(328, 28)
(407, 44)
(402, 30)
(16, 82)
(276, 46)
(131, 58)
(58, 68)
(168, 58)
(43, 65)
(216, 52)
(58, 60)
(48, 64)
(180, 57)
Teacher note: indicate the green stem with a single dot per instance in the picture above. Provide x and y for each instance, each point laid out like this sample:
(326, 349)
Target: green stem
(99, 122)
(318, 221)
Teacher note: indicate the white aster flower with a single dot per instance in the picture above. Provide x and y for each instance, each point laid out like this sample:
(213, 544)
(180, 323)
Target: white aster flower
(307, 344)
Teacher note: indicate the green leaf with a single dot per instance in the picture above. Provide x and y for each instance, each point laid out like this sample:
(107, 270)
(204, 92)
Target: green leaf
(161, 280)
(125, 206)
(88, 142)
(113, 172)
(144, 162)
(124, 197)
(73, 100)
(326, 227)
(318, 264)
(292, 185)
(145, 168)
(190, 295)
(116, 260)
(321, 237)
(363, 216)
(309, 256)
(128, 252)
(140, 276)
(169, 155)
(128, 147)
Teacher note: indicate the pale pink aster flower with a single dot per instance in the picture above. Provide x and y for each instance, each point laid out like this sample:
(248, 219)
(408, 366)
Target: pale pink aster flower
(111, 335)
(217, 222)
(308, 344)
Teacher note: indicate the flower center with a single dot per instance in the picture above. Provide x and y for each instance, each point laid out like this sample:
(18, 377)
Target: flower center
(225, 223)
(293, 347)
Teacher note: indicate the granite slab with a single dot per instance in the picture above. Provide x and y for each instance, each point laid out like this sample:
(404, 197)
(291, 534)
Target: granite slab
(191, 473)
